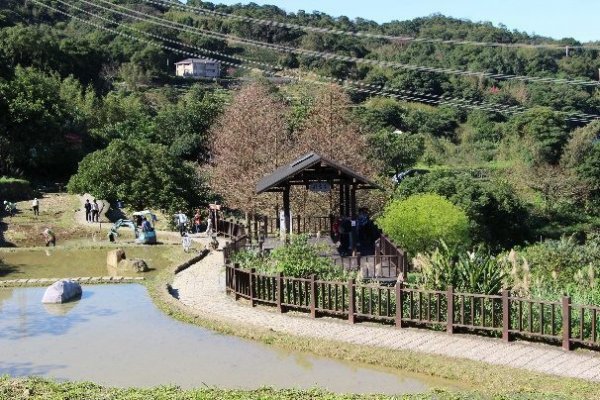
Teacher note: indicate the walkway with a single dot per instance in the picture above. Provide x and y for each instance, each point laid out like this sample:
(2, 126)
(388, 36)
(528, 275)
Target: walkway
(202, 287)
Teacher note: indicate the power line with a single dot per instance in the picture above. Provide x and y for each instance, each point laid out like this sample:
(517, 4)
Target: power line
(169, 24)
(459, 102)
(359, 34)
(446, 99)
(333, 56)
(358, 89)
(273, 67)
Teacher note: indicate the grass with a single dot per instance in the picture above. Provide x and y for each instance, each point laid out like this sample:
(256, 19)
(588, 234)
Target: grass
(56, 211)
(37, 388)
(478, 380)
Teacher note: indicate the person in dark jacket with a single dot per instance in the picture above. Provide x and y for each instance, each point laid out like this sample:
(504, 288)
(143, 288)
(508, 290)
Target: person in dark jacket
(88, 210)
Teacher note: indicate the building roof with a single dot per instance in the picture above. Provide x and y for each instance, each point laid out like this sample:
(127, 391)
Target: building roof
(196, 60)
(312, 167)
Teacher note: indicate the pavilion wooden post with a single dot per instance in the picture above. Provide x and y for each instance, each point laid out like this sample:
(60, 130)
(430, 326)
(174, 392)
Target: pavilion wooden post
(354, 231)
(353, 201)
(286, 211)
(342, 192)
(347, 200)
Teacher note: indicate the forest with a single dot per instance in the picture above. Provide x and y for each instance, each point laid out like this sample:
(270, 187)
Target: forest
(503, 129)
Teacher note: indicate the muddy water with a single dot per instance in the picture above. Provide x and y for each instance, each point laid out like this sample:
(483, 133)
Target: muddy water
(115, 336)
(65, 262)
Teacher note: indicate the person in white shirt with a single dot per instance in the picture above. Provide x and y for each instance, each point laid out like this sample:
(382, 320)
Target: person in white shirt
(95, 211)
(181, 220)
(35, 205)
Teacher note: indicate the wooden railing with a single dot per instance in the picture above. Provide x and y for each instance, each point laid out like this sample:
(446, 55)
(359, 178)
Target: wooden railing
(501, 315)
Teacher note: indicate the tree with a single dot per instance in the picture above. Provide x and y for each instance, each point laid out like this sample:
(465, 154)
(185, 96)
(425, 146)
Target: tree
(142, 174)
(582, 158)
(398, 151)
(331, 130)
(184, 127)
(540, 134)
(249, 140)
(419, 223)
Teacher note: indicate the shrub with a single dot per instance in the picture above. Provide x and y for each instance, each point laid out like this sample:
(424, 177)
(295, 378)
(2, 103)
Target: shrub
(421, 222)
(15, 189)
(474, 272)
(497, 216)
(298, 259)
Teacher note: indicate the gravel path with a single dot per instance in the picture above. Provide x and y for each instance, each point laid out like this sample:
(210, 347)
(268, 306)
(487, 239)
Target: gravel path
(202, 288)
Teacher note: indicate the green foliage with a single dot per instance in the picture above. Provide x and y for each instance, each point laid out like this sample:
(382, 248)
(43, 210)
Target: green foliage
(420, 222)
(140, 173)
(540, 133)
(554, 267)
(398, 151)
(472, 272)
(298, 259)
(15, 189)
(184, 126)
(39, 129)
(497, 216)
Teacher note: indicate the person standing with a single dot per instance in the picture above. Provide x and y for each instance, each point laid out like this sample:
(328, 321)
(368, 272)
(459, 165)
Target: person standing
(88, 210)
(197, 221)
(181, 220)
(95, 211)
(35, 205)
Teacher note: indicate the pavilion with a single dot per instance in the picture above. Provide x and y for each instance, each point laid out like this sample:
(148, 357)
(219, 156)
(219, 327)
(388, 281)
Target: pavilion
(319, 174)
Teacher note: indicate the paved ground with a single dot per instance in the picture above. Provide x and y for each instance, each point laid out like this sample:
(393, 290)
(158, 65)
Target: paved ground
(202, 287)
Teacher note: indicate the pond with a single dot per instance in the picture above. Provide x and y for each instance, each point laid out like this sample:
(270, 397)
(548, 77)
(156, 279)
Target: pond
(116, 336)
(70, 262)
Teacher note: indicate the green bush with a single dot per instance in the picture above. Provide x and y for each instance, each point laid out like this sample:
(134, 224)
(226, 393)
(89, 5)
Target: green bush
(15, 189)
(298, 259)
(497, 216)
(473, 272)
(421, 222)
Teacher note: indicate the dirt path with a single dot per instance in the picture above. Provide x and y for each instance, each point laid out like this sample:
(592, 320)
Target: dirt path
(80, 213)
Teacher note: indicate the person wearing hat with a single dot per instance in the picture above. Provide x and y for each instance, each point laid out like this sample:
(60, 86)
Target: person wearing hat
(35, 205)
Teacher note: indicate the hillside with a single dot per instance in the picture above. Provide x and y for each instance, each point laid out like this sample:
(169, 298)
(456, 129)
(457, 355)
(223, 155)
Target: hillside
(102, 84)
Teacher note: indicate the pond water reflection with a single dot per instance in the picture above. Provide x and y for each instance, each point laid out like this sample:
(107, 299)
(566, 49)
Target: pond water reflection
(66, 262)
(115, 336)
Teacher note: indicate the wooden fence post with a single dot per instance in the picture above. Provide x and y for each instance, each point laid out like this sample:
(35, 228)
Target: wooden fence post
(280, 306)
(235, 282)
(450, 317)
(313, 296)
(566, 322)
(505, 315)
(399, 304)
(351, 301)
(251, 281)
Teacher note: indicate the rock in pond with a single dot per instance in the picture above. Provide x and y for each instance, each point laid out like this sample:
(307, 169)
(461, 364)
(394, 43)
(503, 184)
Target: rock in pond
(133, 265)
(62, 291)
(114, 257)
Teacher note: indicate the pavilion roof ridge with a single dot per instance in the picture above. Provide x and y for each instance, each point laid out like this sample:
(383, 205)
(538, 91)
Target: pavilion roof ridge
(300, 170)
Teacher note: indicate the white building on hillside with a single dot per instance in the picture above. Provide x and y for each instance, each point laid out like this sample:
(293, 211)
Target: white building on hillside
(198, 68)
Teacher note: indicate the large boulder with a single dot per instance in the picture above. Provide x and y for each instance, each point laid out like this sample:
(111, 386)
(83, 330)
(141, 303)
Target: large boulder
(114, 257)
(132, 265)
(62, 291)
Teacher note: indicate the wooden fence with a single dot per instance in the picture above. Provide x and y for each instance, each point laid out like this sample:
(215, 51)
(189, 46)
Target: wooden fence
(503, 315)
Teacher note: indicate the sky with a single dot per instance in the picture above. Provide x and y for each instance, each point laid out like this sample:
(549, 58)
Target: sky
(554, 18)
